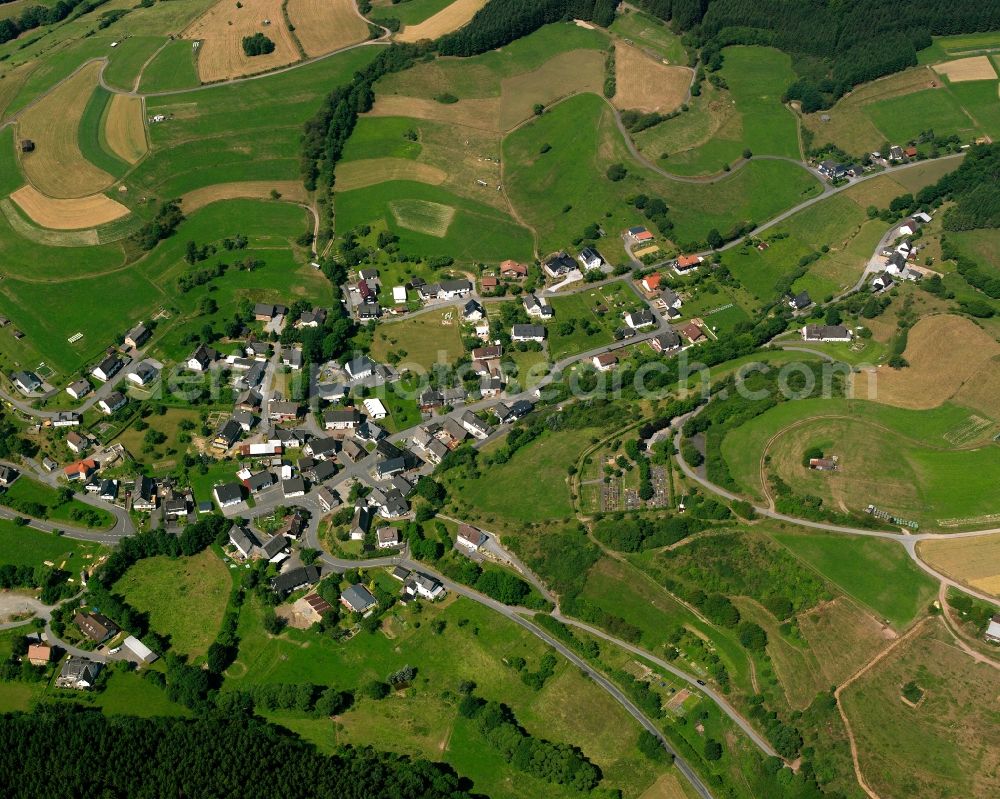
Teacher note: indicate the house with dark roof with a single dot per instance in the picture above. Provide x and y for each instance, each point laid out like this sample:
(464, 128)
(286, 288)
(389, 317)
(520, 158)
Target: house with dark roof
(826, 333)
(473, 424)
(639, 319)
(228, 494)
(227, 435)
(321, 448)
(666, 341)
(243, 540)
(472, 538)
(108, 368)
(527, 333)
(137, 336)
(342, 419)
(294, 579)
(26, 382)
(112, 402)
(358, 599)
(293, 487)
(274, 546)
(78, 389)
(590, 258)
(202, 358)
(537, 307)
(359, 368)
(96, 626)
(449, 289)
(256, 483)
(558, 265)
(78, 673)
(800, 301)
(472, 311)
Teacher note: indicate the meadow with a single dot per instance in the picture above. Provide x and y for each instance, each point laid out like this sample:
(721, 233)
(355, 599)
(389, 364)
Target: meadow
(901, 119)
(172, 68)
(872, 571)
(25, 489)
(650, 33)
(185, 597)
(423, 719)
(426, 339)
(971, 561)
(30, 547)
(602, 309)
(410, 12)
(899, 460)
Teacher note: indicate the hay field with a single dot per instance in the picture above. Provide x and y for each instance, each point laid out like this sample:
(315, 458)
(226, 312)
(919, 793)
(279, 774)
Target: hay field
(974, 68)
(323, 26)
(562, 75)
(444, 21)
(423, 216)
(221, 30)
(125, 128)
(648, 85)
(68, 214)
(972, 561)
(57, 166)
(945, 353)
(482, 114)
(368, 172)
(291, 190)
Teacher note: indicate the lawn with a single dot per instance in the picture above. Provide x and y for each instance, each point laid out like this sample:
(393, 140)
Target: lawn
(129, 694)
(602, 308)
(421, 340)
(168, 424)
(25, 490)
(901, 460)
(424, 720)
(185, 597)
(30, 547)
(533, 485)
(875, 572)
(217, 472)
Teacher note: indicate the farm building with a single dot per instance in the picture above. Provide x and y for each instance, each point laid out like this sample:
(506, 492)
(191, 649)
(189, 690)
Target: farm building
(825, 333)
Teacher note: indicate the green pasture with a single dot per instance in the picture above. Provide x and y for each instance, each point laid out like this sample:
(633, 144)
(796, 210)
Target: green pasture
(90, 135)
(944, 48)
(10, 172)
(604, 307)
(476, 232)
(173, 68)
(185, 597)
(902, 119)
(26, 489)
(30, 547)
(382, 137)
(423, 337)
(983, 246)
(130, 694)
(410, 12)
(129, 57)
(982, 100)
(650, 33)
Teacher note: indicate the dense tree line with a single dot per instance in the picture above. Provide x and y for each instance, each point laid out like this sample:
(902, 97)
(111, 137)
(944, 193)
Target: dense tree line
(835, 46)
(974, 188)
(36, 16)
(63, 750)
(162, 226)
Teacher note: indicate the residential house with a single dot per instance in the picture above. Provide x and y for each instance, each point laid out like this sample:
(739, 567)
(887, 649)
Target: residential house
(351, 452)
(687, 263)
(321, 448)
(202, 358)
(176, 508)
(330, 392)
(39, 654)
(361, 522)
(882, 281)
(472, 311)
(292, 357)
(96, 626)
(491, 352)
(8, 474)
(640, 319)
(427, 587)
(668, 341)
(910, 152)
(832, 169)
(346, 419)
(896, 153)
(590, 258)
(472, 538)
(294, 487)
(449, 289)
(256, 483)
(360, 368)
(66, 419)
(245, 420)
(474, 425)
(283, 410)
(693, 333)
(491, 386)
(389, 466)
(669, 300)
(80, 470)
(328, 500)
(513, 270)
(243, 541)
(558, 265)
(78, 389)
(605, 362)
(992, 633)
(358, 599)
(76, 442)
(652, 282)
(228, 494)
(800, 301)
(108, 368)
(527, 333)
(314, 318)
(825, 333)
(294, 579)
(488, 284)
(399, 294)
(227, 435)
(537, 307)
(78, 673)
(109, 490)
(638, 234)
(387, 538)
(112, 402)
(274, 546)
(142, 374)
(137, 336)
(26, 382)
(144, 496)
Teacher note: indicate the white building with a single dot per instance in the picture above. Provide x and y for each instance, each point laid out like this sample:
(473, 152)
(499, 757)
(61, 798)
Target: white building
(375, 409)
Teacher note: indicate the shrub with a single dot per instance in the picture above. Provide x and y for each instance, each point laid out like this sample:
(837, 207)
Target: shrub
(258, 44)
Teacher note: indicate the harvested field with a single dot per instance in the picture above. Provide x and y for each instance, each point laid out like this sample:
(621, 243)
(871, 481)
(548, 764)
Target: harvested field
(646, 84)
(221, 30)
(480, 114)
(981, 394)
(971, 561)
(444, 21)
(975, 68)
(562, 75)
(291, 190)
(423, 216)
(945, 353)
(44, 236)
(668, 786)
(323, 26)
(57, 166)
(125, 128)
(68, 214)
(368, 172)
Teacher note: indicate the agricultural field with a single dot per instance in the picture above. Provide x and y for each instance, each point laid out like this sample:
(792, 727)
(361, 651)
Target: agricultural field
(409, 13)
(322, 26)
(185, 597)
(970, 561)
(472, 645)
(77, 214)
(173, 67)
(939, 478)
(873, 572)
(943, 745)
(125, 128)
(450, 18)
(651, 34)
(648, 85)
(757, 77)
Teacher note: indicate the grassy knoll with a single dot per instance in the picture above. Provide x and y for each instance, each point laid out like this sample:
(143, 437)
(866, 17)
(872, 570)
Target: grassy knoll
(32, 498)
(564, 189)
(431, 221)
(248, 130)
(936, 749)
(30, 547)
(650, 33)
(169, 425)
(915, 473)
(594, 316)
(426, 339)
(472, 645)
(172, 68)
(504, 491)
(93, 143)
(983, 246)
(185, 597)
(903, 118)
(875, 572)
(757, 78)
(383, 137)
